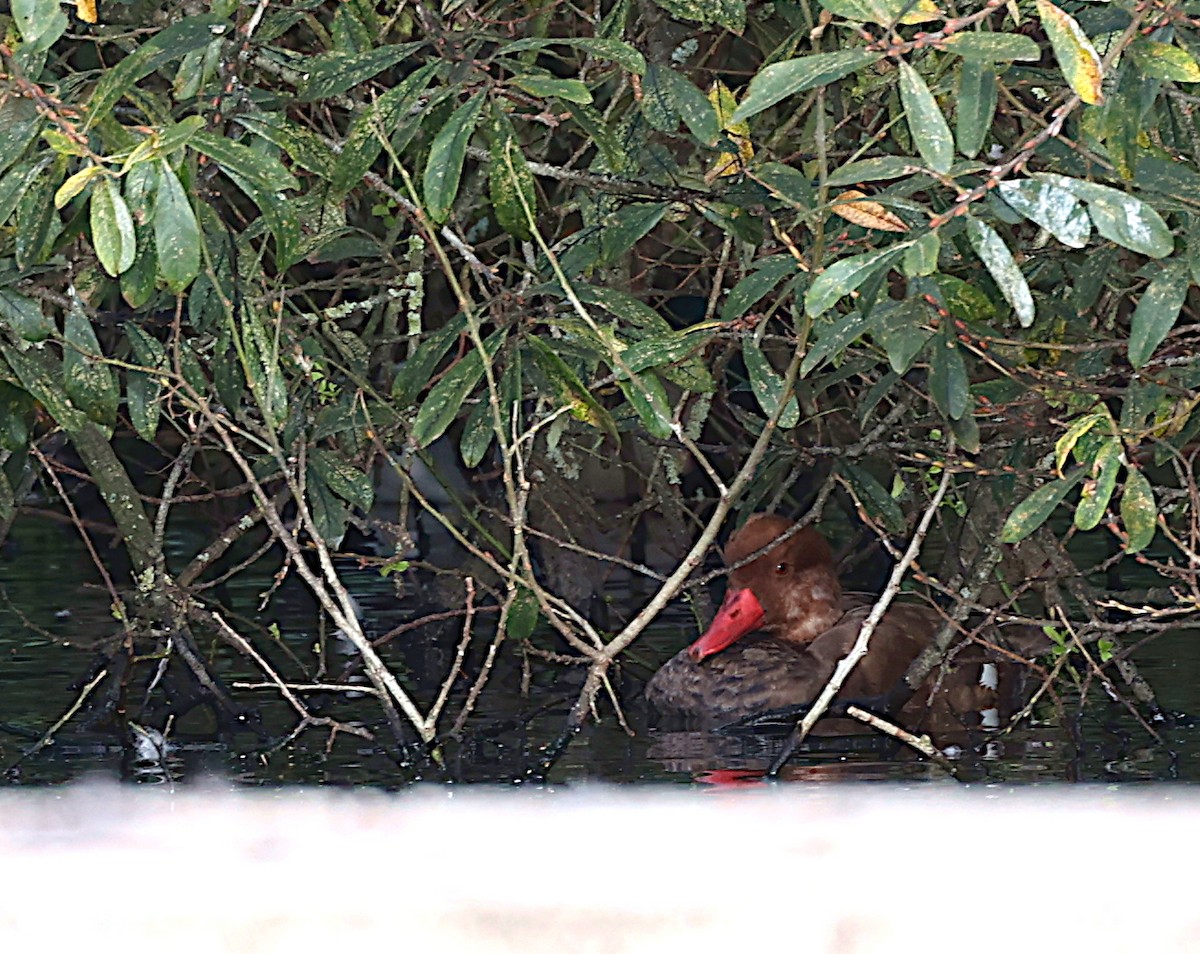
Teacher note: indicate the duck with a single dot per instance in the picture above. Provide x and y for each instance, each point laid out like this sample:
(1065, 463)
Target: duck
(782, 628)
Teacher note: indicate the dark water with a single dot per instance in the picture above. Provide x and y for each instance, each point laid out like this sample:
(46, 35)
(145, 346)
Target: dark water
(57, 630)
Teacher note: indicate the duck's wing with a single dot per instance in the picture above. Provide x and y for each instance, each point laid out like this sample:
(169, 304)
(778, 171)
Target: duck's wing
(755, 675)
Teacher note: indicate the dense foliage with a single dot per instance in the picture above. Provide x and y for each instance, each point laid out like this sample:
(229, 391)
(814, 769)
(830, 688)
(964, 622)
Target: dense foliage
(607, 269)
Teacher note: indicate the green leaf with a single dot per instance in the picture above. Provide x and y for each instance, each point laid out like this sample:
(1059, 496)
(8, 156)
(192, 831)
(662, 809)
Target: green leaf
(261, 367)
(190, 33)
(618, 51)
(621, 305)
(657, 106)
(1053, 208)
(328, 515)
(692, 106)
(37, 220)
(646, 394)
(843, 277)
(902, 335)
(138, 282)
(24, 317)
(966, 432)
(767, 385)
(374, 124)
(1164, 61)
(873, 496)
(510, 183)
(39, 376)
(87, 380)
(196, 68)
(884, 12)
(446, 399)
(280, 218)
(654, 341)
(623, 228)
(746, 293)
(418, 369)
(977, 94)
(345, 480)
(928, 126)
(872, 170)
(19, 126)
(176, 232)
(1157, 310)
(568, 90)
(999, 261)
(661, 351)
(1098, 489)
(444, 168)
(174, 136)
(570, 391)
(833, 341)
(1034, 510)
(334, 73)
(143, 389)
(612, 148)
(730, 14)
(788, 185)
(992, 47)
(14, 185)
(948, 383)
(1139, 512)
(921, 258)
(964, 299)
(112, 227)
(265, 172)
(41, 22)
(522, 616)
(1074, 51)
(780, 80)
(1065, 444)
(17, 410)
(229, 376)
(480, 430)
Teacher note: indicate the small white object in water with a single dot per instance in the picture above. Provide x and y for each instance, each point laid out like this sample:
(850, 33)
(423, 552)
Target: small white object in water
(150, 744)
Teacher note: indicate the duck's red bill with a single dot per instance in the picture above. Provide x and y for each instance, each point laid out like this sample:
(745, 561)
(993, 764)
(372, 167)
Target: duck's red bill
(740, 613)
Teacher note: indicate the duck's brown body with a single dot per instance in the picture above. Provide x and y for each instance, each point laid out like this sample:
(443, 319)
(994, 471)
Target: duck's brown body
(782, 629)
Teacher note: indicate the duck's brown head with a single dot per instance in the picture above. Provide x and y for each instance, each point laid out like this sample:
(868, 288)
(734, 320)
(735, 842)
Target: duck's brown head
(791, 590)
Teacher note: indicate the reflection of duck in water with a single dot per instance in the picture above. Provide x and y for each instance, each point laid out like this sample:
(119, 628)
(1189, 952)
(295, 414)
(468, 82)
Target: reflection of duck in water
(782, 629)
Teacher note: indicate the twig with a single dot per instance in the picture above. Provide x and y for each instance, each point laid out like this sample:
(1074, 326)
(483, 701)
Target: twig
(922, 743)
(75, 707)
(436, 709)
(477, 686)
(306, 717)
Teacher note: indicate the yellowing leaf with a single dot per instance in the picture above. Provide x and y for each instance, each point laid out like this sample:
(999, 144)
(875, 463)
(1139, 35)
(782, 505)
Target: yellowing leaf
(1139, 512)
(1163, 61)
(75, 184)
(854, 206)
(1074, 51)
(87, 11)
(728, 163)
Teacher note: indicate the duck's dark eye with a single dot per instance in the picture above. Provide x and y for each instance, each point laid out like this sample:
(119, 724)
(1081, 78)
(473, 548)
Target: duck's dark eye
(780, 569)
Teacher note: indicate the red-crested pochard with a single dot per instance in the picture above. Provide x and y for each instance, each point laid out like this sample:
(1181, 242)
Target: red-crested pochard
(782, 629)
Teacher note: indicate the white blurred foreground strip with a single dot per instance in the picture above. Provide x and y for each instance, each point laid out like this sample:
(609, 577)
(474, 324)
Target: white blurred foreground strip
(830, 868)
